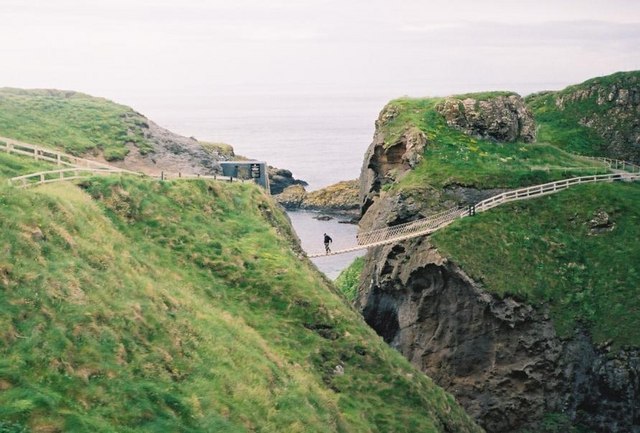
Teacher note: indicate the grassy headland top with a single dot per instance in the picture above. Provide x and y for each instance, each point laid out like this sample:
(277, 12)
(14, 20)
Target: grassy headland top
(452, 157)
(74, 122)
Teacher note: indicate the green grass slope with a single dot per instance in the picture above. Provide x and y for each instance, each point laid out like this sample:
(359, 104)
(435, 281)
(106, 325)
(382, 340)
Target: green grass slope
(454, 158)
(131, 305)
(591, 118)
(544, 251)
(71, 121)
(12, 166)
(348, 280)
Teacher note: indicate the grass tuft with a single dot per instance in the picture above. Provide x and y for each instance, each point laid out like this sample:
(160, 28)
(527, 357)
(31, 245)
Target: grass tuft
(348, 280)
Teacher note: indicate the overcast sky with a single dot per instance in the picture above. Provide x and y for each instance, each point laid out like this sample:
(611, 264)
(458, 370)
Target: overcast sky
(124, 49)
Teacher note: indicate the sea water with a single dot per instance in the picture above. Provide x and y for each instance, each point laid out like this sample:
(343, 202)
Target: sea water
(321, 139)
(311, 233)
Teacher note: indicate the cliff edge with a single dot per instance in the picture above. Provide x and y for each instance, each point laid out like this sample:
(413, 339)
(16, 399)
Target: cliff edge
(514, 311)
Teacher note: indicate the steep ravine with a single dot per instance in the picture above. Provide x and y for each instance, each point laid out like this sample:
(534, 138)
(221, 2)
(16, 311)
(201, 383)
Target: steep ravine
(501, 358)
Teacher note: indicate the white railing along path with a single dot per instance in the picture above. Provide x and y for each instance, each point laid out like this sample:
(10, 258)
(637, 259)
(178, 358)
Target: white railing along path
(79, 167)
(41, 153)
(430, 224)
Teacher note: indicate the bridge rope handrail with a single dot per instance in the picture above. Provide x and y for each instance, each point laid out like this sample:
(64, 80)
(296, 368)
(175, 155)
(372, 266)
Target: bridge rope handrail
(435, 222)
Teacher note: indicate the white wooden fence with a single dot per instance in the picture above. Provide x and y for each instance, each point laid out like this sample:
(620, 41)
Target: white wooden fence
(79, 167)
(65, 174)
(41, 153)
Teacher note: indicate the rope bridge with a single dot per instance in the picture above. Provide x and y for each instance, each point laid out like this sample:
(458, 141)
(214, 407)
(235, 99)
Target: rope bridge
(78, 168)
(435, 222)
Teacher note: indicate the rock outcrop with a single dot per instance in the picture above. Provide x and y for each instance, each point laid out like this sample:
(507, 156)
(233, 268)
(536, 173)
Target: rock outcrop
(341, 197)
(501, 118)
(280, 179)
(609, 107)
(171, 153)
(501, 358)
(291, 198)
(386, 163)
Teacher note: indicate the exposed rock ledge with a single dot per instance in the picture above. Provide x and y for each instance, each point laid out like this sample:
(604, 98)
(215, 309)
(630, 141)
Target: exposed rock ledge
(501, 118)
(341, 197)
(173, 153)
(280, 179)
(501, 358)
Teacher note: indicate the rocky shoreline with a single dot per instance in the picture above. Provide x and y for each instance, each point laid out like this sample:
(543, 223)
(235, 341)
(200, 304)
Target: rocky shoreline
(341, 198)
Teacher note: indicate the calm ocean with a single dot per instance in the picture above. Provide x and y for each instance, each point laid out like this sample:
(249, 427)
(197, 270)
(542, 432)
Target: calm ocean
(321, 139)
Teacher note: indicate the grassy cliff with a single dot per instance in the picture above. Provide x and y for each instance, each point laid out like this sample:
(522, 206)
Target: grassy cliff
(131, 305)
(597, 117)
(452, 157)
(568, 260)
(74, 122)
(545, 250)
(575, 252)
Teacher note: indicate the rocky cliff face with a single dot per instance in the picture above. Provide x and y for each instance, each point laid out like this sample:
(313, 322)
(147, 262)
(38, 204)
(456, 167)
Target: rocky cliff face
(619, 121)
(501, 118)
(171, 153)
(280, 179)
(386, 163)
(501, 358)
